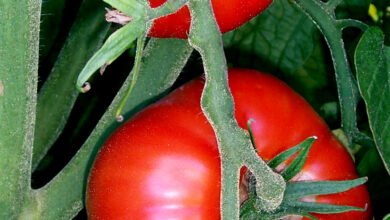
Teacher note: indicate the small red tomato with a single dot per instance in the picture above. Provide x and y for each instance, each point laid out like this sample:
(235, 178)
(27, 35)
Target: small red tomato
(229, 14)
(164, 163)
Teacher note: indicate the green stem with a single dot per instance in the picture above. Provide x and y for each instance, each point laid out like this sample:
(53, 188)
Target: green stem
(347, 87)
(136, 68)
(19, 52)
(218, 106)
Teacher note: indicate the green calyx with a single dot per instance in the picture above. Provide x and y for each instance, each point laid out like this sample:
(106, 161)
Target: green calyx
(292, 203)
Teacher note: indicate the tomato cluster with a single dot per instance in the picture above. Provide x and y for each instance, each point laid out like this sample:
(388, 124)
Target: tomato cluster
(164, 163)
(229, 14)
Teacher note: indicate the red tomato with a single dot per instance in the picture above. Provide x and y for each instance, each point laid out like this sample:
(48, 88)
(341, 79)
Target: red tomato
(164, 163)
(229, 14)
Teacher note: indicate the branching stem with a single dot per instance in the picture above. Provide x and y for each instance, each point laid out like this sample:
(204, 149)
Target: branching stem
(218, 106)
(347, 86)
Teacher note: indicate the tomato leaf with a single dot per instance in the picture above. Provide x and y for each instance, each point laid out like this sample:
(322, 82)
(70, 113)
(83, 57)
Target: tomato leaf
(356, 9)
(115, 45)
(372, 59)
(52, 12)
(57, 95)
(282, 37)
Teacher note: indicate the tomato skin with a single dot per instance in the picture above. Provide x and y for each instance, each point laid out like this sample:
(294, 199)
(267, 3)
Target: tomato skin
(164, 163)
(229, 14)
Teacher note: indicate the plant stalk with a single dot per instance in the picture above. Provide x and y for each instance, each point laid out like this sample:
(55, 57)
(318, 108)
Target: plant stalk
(347, 86)
(218, 106)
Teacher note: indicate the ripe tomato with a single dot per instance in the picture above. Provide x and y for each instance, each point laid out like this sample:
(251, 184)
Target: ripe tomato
(229, 14)
(164, 163)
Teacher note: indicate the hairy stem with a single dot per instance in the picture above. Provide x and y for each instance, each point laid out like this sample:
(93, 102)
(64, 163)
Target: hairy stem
(218, 106)
(347, 87)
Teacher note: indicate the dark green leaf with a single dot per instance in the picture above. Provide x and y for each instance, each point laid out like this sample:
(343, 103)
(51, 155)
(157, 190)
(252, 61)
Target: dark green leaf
(58, 94)
(311, 80)
(50, 24)
(373, 77)
(296, 165)
(370, 164)
(280, 158)
(356, 9)
(282, 37)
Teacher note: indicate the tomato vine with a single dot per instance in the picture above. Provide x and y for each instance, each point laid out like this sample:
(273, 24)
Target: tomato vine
(323, 15)
(63, 196)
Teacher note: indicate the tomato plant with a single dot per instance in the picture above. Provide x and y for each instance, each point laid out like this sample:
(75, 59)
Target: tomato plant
(164, 163)
(178, 24)
(334, 53)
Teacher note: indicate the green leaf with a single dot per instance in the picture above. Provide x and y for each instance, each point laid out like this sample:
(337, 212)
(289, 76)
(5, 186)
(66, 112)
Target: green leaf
(57, 96)
(297, 164)
(387, 217)
(311, 80)
(19, 51)
(280, 158)
(136, 9)
(370, 164)
(115, 45)
(52, 11)
(373, 75)
(281, 37)
(356, 9)
(64, 195)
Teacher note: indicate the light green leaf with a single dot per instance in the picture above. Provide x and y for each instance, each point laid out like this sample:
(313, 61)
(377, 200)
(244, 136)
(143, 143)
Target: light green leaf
(373, 75)
(115, 45)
